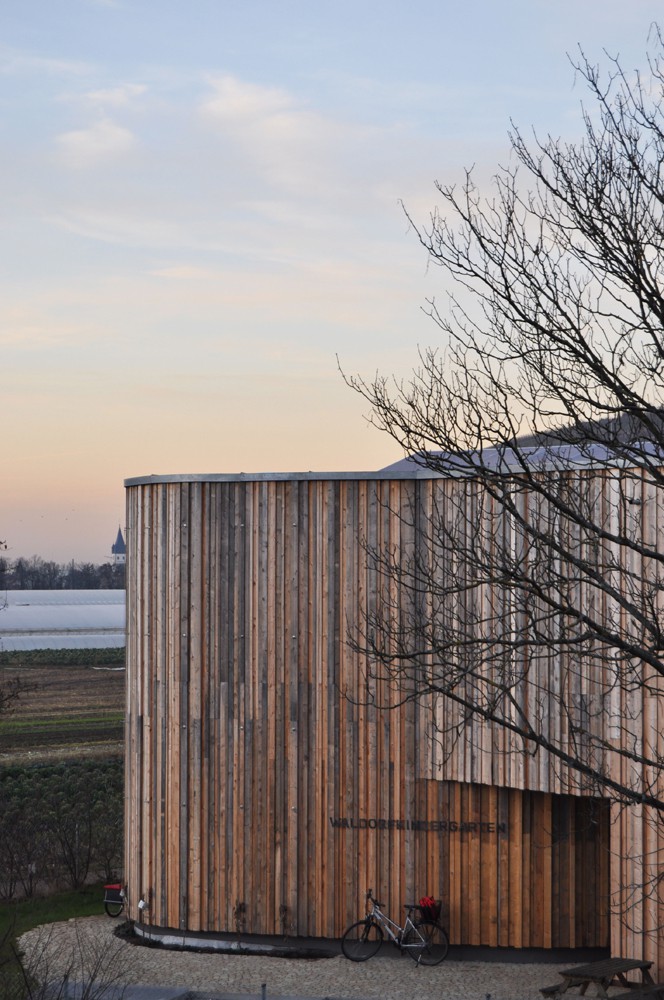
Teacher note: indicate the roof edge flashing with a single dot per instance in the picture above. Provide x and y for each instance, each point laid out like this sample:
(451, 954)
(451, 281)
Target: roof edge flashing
(249, 477)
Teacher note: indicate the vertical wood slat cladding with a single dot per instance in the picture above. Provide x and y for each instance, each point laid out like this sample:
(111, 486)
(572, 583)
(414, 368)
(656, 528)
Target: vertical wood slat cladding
(538, 828)
(250, 728)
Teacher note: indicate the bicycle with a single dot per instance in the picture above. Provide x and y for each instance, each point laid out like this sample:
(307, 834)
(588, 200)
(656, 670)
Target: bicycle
(424, 939)
(114, 899)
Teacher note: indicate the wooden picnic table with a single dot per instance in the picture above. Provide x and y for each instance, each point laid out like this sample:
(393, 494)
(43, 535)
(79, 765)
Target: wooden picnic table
(608, 972)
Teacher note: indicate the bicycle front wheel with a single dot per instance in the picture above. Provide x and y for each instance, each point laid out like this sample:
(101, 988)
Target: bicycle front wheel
(362, 940)
(427, 943)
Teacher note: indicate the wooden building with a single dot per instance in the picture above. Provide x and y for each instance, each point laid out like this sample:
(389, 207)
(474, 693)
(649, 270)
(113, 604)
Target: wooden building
(268, 786)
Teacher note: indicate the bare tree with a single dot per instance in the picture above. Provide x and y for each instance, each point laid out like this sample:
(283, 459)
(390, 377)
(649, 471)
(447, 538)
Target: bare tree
(55, 964)
(526, 592)
(10, 690)
(10, 687)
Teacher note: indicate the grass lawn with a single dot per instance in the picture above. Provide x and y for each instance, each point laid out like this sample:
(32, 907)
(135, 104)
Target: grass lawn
(18, 917)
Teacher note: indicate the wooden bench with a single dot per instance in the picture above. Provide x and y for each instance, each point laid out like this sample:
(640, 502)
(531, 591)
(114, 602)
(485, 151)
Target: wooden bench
(556, 988)
(642, 990)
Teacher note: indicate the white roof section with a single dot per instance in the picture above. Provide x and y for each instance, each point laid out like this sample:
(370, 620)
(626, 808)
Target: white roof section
(62, 619)
(535, 458)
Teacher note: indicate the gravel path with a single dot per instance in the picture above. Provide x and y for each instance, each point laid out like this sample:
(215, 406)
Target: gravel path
(390, 977)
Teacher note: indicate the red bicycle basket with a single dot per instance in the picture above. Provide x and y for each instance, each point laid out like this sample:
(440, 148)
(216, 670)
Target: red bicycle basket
(429, 908)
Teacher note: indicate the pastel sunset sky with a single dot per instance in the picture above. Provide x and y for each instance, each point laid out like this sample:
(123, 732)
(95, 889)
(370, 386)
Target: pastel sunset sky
(201, 211)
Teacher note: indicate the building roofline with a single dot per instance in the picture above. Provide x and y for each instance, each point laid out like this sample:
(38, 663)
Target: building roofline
(259, 477)
(508, 460)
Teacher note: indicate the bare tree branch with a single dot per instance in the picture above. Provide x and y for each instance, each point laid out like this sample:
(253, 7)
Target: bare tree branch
(526, 592)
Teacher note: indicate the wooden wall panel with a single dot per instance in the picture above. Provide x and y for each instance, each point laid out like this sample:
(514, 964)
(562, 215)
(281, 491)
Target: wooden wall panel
(251, 732)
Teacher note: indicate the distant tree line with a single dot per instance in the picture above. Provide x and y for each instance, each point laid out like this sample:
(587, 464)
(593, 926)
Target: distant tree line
(36, 573)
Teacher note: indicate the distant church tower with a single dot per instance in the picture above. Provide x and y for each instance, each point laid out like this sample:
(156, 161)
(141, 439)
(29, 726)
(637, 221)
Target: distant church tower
(119, 550)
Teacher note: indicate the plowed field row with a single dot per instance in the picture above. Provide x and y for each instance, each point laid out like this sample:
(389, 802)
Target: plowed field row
(63, 710)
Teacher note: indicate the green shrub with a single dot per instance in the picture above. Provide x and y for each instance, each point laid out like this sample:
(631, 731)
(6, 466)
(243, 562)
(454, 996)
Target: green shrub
(60, 824)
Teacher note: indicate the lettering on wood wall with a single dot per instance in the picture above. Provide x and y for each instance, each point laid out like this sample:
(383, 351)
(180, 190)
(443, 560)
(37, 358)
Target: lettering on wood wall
(420, 825)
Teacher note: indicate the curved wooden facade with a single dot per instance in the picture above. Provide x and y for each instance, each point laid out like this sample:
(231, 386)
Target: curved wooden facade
(265, 789)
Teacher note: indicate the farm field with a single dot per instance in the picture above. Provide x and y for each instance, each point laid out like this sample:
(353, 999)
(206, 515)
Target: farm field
(64, 711)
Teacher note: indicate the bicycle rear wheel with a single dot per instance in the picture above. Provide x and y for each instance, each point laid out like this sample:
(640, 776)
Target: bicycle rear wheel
(114, 908)
(362, 940)
(427, 943)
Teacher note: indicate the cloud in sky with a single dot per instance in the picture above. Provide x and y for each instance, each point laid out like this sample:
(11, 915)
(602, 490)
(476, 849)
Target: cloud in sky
(27, 329)
(124, 228)
(291, 147)
(119, 96)
(237, 101)
(185, 272)
(87, 147)
(15, 62)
